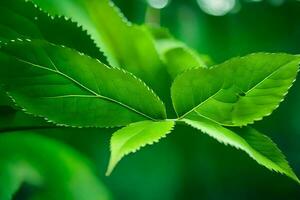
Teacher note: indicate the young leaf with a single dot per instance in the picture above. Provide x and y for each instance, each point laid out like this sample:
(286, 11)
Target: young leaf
(134, 136)
(127, 46)
(51, 167)
(258, 146)
(21, 19)
(72, 89)
(178, 57)
(237, 92)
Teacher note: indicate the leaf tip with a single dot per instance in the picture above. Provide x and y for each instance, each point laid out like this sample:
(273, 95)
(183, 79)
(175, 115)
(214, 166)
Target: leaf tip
(294, 177)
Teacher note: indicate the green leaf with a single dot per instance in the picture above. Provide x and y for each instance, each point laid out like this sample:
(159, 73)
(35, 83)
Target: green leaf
(131, 138)
(72, 89)
(258, 146)
(126, 45)
(21, 19)
(237, 92)
(48, 166)
(178, 57)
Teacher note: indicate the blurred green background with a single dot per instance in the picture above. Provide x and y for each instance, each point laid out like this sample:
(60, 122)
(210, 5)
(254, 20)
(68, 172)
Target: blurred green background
(188, 164)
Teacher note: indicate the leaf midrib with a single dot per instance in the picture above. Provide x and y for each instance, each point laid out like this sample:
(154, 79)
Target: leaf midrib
(267, 77)
(95, 94)
(207, 99)
(122, 147)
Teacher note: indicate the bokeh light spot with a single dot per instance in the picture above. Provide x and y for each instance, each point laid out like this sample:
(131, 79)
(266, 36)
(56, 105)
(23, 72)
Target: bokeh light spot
(158, 4)
(216, 7)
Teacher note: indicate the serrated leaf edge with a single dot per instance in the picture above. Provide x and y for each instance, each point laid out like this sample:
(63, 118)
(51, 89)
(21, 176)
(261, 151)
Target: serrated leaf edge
(110, 169)
(227, 61)
(81, 54)
(67, 19)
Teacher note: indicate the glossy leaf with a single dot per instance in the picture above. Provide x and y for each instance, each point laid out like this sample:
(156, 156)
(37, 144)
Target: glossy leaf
(258, 146)
(237, 92)
(131, 138)
(72, 89)
(126, 45)
(56, 171)
(21, 19)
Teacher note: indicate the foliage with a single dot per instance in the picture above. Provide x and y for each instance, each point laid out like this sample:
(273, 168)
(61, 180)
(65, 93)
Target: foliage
(53, 168)
(148, 83)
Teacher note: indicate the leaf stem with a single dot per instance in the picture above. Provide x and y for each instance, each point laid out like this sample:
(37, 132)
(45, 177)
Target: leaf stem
(152, 16)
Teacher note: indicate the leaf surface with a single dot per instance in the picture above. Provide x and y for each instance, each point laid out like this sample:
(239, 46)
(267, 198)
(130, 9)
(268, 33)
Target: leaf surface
(72, 89)
(126, 45)
(178, 57)
(237, 92)
(47, 166)
(20, 19)
(256, 145)
(131, 138)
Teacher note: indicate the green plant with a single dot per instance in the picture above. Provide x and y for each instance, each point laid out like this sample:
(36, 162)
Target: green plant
(54, 169)
(66, 81)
